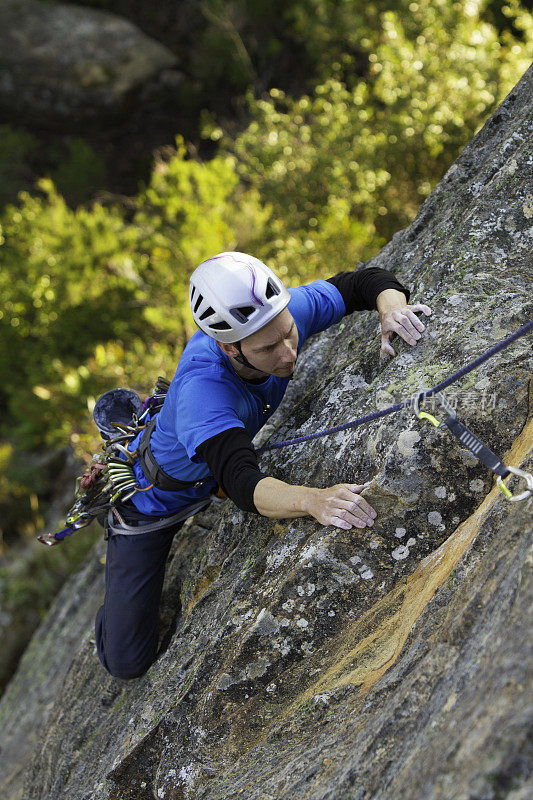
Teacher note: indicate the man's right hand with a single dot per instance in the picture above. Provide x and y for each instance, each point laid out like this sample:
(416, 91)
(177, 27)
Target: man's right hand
(341, 505)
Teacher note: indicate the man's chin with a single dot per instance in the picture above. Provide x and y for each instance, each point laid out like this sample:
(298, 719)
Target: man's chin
(286, 373)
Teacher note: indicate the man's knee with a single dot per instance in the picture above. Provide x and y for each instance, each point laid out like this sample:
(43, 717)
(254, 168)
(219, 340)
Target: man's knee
(127, 672)
(119, 660)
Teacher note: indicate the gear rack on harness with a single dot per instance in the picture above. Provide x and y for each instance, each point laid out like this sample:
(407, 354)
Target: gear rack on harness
(120, 416)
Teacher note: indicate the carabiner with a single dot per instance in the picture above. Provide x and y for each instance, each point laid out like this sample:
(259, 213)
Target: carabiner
(77, 520)
(424, 415)
(525, 475)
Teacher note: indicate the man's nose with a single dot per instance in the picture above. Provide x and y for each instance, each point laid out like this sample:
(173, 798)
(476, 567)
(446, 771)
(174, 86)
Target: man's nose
(289, 353)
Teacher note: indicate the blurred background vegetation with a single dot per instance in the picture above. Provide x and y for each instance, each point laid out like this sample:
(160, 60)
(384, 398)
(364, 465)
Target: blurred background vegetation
(312, 132)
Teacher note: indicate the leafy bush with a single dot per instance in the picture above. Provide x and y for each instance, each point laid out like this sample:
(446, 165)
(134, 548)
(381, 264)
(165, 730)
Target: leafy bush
(345, 167)
(70, 280)
(79, 171)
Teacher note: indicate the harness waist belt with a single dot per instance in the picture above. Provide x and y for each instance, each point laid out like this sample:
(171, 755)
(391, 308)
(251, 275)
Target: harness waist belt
(154, 473)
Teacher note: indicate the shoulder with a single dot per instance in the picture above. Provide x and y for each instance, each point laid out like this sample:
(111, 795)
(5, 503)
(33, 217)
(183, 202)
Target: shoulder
(209, 401)
(204, 381)
(201, 360)
(206, 386)
(317, 291)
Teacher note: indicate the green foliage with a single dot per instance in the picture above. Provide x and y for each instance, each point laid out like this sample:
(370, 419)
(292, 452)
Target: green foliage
(84, 291)
(222, 55)
(182, 217)
(77, 171)
(340, 36)
(345, 167)
(69, 280)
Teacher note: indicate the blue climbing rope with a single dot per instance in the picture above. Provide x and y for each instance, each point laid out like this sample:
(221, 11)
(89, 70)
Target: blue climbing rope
(426, 393)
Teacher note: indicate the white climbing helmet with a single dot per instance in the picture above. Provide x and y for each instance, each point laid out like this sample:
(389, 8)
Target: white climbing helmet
(233, 295)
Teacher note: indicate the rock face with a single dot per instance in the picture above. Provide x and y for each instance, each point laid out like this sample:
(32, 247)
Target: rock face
(321, 664)
(59, 62)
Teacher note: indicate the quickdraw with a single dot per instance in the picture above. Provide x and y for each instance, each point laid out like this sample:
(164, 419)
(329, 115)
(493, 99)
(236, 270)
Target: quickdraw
(476, 446)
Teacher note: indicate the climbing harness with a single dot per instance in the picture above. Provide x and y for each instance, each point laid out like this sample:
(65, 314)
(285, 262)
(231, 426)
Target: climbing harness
(481, 451)
(120, 416)
(116, 524)
(155, 473)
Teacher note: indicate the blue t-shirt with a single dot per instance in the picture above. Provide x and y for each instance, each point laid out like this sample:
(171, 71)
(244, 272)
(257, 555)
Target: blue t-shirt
(207, 396)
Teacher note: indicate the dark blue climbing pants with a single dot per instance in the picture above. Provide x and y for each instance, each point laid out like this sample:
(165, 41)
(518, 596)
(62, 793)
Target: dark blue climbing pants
(126, 625)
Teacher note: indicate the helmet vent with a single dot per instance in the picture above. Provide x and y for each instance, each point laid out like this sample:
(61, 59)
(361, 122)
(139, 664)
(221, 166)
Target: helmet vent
(193, 290)
(220, 326)
(271, 289)
(242, 313)
(207, 313)
(198, 301)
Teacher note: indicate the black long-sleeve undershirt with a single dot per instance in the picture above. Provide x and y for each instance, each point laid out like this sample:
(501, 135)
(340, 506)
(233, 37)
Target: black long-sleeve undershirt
(230, 455)
(360, 288)
(232, 461)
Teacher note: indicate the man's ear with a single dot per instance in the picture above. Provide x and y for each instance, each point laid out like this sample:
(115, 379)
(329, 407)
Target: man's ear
(228, 349)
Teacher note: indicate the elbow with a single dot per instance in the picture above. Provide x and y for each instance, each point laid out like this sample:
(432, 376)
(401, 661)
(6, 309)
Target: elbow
(243, 494)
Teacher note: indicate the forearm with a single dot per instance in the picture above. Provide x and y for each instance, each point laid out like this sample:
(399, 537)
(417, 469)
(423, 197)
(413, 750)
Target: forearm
(279, 500)
(360, 288)
(389, 299)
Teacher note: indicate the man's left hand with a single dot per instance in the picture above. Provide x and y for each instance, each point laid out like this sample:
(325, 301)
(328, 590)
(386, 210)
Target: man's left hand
(403, 322)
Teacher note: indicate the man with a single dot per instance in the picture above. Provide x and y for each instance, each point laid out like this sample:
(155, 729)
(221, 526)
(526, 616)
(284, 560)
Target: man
(231, 377)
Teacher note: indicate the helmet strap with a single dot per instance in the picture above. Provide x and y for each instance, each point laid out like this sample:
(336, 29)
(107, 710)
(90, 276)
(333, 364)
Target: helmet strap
(243, 360)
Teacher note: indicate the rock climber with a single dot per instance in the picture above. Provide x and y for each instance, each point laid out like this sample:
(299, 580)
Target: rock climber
(230, 379)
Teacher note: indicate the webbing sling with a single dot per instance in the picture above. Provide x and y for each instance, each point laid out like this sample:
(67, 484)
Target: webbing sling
(158, 525)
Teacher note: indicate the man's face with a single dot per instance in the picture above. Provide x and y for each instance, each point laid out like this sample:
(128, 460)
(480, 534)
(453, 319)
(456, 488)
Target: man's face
(273, 349)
